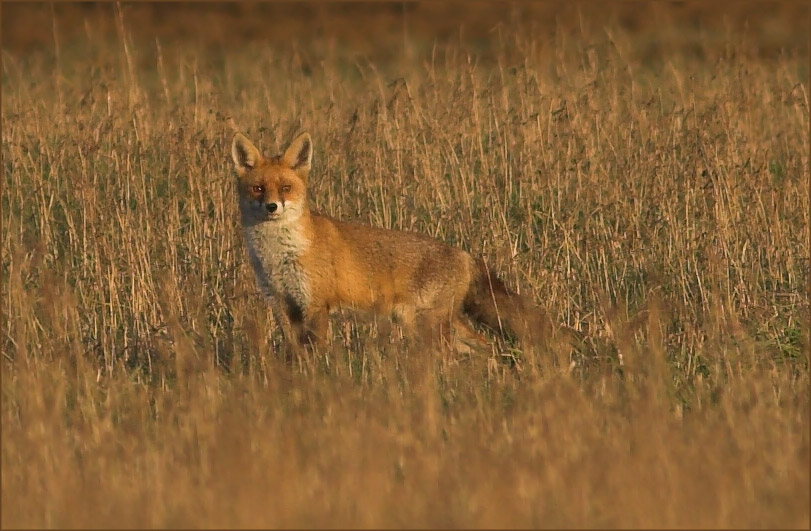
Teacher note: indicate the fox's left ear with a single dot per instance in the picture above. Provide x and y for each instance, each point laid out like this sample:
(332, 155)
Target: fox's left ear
(299, 155)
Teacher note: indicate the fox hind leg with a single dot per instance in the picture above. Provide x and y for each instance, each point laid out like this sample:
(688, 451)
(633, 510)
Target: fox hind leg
(435, 327)
(466, 337)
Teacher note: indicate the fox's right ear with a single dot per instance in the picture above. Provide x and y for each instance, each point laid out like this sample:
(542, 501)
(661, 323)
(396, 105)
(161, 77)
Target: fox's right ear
(245, 154)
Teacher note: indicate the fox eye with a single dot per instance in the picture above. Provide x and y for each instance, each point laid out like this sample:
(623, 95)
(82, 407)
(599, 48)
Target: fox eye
(285, 188)
(258, 189)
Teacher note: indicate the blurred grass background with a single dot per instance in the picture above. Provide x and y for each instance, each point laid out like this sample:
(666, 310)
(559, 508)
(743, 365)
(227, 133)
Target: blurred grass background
(641, 169)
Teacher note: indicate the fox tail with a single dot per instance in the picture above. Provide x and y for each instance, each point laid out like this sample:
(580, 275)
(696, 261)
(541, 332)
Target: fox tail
(490, 302)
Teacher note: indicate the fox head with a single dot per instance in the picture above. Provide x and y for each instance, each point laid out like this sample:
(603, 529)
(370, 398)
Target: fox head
(272, 189)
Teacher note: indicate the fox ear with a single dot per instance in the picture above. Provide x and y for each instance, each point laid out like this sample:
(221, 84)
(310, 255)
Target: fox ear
(299, 155)
(245, 154)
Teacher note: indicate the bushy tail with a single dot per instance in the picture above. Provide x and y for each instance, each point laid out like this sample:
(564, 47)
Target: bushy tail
(490, 302)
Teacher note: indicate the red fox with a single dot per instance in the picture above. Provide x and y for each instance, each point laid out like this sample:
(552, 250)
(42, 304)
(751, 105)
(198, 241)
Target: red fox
(308, 264)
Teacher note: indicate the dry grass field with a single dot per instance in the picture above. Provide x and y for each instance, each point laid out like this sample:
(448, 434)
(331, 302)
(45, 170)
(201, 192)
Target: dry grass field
(642, 171)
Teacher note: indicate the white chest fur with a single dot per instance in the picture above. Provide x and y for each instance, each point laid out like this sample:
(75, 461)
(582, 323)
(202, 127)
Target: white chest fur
(275, 250)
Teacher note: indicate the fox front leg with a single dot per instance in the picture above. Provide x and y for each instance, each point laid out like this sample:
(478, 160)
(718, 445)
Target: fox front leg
(283, 321)
(308, 328)
(315, 329)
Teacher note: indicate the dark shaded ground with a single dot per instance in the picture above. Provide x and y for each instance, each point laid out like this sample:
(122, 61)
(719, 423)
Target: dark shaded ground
(380, 29)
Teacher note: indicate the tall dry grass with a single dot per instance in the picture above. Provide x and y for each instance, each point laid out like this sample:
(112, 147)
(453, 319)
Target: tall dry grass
(642, 171)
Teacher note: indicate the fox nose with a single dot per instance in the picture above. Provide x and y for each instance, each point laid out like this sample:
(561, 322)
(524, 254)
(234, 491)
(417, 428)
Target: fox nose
(271, 207)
